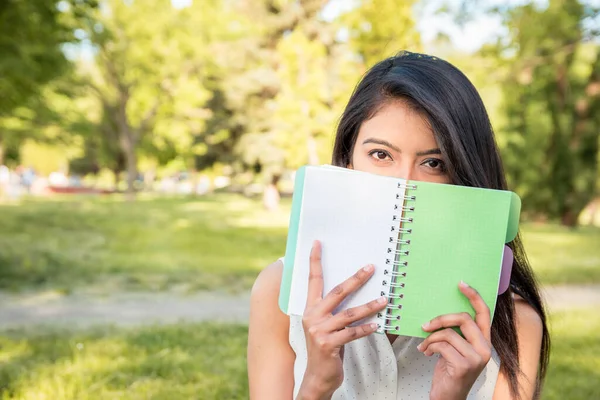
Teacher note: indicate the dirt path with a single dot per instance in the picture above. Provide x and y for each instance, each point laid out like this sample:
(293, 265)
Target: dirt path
(123, 309)
(128, 309)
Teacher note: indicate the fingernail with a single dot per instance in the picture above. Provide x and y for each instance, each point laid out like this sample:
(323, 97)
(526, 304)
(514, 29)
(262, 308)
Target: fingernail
(382, 300)
(374, 326)
(464, 284)
(426, 325)
(419, 347)
(368, 268)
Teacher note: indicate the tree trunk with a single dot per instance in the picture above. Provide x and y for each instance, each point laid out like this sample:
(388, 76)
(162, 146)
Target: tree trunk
(271, 196)
(116, 173)
(128, 139)
(149, 178)
(128, 144)
(569, 218)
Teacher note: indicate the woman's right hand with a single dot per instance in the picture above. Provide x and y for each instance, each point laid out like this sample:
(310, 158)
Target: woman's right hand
(326, 334)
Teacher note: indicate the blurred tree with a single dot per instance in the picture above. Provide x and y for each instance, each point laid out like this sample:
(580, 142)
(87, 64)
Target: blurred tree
(271, 97)
(309, 71)
(212, 30)
(32, 33)
(282, 86)
(381, 28)
(247, 84)
(145, 78)
(552, 105)
(101, 148)
(57, 115)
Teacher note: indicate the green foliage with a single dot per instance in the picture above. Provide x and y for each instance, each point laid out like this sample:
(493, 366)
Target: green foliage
(277, 91)
(31, 33)
(146, 80)
(291, 102)
(380, 28)
(551, 104)
(172, 362)
(258, 86)
(32, 36)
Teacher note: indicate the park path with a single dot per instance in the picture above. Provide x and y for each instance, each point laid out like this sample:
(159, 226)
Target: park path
(143, 308)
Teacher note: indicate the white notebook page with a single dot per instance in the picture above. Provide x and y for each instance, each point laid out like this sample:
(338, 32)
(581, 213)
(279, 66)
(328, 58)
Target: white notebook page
(351, 213)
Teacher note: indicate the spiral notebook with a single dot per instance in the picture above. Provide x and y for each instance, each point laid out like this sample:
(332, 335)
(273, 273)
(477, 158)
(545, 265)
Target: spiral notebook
(423, 238)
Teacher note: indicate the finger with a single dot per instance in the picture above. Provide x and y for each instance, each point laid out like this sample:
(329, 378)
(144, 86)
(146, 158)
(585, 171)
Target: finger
(449, 321)
(467, 326)
(349, 334)
(315, 275)
(347, 317)
(339, 293)
(455, 340)
(482, 311)
(445, 350)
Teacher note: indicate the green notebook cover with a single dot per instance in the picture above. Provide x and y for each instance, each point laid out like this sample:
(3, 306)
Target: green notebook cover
(292, 238)
(457, 233)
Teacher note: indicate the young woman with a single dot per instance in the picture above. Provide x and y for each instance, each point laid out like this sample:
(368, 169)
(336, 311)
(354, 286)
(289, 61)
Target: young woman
(415, 117)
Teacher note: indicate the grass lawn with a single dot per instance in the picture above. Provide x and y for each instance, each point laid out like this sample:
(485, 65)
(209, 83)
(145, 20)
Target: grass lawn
(574, 360)
(207, 361)
(563, 255)
(218, 242)
(214, 242)
(170, 362)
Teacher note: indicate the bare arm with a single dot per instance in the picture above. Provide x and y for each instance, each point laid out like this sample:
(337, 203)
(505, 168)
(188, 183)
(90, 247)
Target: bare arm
(529, 333)
(270, 357)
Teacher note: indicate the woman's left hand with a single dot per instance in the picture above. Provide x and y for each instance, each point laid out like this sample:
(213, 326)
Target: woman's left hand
(462, 358)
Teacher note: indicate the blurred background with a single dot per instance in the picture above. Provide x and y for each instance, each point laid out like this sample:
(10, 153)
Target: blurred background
(147, 156)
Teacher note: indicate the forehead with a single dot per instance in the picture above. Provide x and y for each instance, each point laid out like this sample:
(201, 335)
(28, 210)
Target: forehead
(397, 121)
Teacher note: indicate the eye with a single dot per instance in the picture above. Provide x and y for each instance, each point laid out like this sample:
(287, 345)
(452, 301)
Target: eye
(435, 163)
(380, 155)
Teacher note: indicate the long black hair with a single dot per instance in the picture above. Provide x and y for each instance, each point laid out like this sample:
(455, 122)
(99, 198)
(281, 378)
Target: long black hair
(465, 136)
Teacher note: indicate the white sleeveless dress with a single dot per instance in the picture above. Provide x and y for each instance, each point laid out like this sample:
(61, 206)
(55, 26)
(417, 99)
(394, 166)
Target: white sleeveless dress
(376, 369)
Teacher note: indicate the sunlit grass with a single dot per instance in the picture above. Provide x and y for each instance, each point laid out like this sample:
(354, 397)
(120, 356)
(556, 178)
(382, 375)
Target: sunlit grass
(201, 361)
(218, 242)
(207, 361)
(563, 255)
(574, 362)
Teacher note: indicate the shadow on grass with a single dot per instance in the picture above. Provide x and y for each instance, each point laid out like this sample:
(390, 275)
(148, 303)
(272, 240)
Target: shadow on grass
(196, 361)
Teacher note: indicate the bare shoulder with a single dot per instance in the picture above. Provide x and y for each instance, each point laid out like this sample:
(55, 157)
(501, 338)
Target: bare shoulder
(529, 322)
(264, 299)
(270, 355)
(268, 281)
(529, 335)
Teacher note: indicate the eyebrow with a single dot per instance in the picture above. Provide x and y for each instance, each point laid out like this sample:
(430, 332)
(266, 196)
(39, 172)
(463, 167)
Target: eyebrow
(391, 146)
(429, 152)
(381, 142)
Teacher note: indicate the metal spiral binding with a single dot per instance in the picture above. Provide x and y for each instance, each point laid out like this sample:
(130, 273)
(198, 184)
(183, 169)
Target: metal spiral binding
(394, 274)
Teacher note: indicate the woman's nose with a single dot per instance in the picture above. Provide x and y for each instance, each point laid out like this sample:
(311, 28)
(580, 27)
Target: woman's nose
(406, 170)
